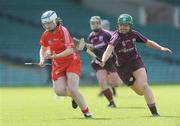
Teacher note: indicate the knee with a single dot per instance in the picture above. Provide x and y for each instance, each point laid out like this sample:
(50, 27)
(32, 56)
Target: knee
(116, 83)
(141, 88)
(59, 92)
(102, 81)
(140, 93)
(143, 84)
(144, 87)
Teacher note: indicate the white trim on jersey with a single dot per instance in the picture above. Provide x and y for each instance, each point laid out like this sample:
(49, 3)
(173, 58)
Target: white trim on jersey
(67, 41)
(99, 45)
(67, 37)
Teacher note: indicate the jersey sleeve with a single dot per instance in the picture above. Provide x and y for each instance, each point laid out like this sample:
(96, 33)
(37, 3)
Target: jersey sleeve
(43, 41)
(140, 38)
(69, 43)
(89, 38)
(109, 35)
(114, 39)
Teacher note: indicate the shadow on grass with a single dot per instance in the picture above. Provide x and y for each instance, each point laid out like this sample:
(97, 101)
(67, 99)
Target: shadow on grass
(94, 118)
(82, 118)
(130, 108)
(163, 116)
(106, 118)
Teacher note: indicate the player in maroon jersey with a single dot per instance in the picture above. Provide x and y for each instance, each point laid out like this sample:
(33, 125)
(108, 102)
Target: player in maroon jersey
(130, 66)
(98, 40)
(106, 26)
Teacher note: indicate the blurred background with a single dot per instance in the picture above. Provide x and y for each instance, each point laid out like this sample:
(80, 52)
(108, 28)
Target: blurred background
(21, 29)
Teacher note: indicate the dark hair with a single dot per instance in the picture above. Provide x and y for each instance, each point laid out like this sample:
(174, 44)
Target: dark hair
(59, 21)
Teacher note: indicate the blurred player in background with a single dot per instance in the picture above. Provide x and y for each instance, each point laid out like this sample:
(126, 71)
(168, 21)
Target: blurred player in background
(98, 40)
(66, 64)
(106, 26)
(130, 67)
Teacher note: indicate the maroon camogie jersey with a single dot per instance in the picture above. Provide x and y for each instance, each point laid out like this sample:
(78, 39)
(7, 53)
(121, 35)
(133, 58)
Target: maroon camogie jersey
(124, 44)
(99, 41)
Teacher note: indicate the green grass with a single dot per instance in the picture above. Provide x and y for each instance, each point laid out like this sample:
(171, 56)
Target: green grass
(40, 107)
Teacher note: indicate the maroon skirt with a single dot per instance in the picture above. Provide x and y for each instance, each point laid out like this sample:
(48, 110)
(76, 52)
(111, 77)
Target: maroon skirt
(125, 70)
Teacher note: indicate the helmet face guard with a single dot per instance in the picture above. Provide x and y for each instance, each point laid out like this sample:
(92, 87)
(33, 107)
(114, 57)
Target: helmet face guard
(48, 17)
(125, 23)
(95, 23)
(125, 19)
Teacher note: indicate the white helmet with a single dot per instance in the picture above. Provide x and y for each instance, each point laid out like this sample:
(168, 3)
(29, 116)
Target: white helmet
(95, 27)
(95, 19)
(49, 16)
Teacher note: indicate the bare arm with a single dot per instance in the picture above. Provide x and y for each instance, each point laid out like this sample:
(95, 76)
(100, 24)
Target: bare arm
(107, 54)
(154, 45)
(42, 55)
(65, 53)
(82, 44)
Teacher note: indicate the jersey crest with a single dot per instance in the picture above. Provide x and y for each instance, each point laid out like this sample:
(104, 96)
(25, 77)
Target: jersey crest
(100, 38)
(49, 42)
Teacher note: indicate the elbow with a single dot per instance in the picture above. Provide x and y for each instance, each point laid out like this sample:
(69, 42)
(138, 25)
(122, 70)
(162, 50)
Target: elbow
(149, 43)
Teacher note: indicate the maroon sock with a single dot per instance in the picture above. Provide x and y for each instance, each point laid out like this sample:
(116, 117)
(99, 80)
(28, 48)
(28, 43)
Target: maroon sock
(108, 94)
(86, 110)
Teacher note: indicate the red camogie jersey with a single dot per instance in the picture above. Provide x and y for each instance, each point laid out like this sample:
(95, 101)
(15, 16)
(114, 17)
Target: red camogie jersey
(57, 42)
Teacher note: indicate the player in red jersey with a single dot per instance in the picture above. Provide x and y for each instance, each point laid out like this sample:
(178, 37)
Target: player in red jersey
(130, 66)
(66, 63)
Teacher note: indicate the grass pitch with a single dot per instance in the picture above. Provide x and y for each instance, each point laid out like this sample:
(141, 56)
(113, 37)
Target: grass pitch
(40, 107)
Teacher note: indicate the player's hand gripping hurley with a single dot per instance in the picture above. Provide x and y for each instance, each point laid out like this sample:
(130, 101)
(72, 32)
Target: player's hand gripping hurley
(81, 46)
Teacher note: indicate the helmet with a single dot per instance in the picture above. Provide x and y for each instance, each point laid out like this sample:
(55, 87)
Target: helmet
(125, 19)
(95, 18)
(96, 27)
(49, 16)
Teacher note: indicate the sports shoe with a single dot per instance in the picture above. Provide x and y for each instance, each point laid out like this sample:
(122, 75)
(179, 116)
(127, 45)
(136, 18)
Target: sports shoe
(88, 115)
(74, 104)
(112, 105)
(156, 114)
